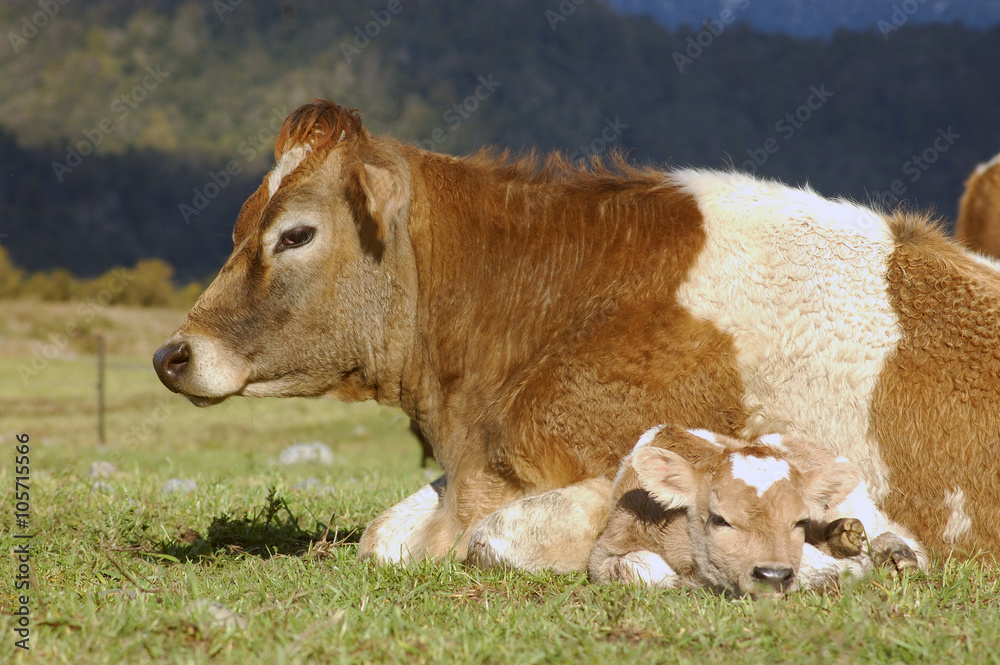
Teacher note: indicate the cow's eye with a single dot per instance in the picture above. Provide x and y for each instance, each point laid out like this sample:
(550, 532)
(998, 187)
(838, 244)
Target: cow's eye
(295, 237)
(718, 521)
(801, 524)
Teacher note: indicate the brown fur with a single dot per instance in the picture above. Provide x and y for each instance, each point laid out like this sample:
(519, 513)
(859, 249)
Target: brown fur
(978, 223)
(941, 388)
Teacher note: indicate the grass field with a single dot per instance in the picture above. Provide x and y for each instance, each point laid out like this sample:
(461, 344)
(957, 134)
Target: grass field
(122, 571)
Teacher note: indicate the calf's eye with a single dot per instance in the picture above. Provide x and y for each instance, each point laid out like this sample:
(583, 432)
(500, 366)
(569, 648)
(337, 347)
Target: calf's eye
(717, 521)
(801, 524)
(294, 237)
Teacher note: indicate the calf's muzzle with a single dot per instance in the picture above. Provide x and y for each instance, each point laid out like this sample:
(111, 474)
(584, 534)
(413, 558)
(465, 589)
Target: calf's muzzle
(779, 579)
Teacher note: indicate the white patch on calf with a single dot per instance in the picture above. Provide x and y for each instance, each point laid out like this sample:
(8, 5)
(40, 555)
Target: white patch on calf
(644, 440)
(707, 435)
(959, 522)
(647, 437)
(799, 282)
(289, 161)
(643, 566)
(758, 472)
(773, 440)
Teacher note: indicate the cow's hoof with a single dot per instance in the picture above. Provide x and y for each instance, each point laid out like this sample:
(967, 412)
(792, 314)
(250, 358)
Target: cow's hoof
(845, 537)
(891, 551)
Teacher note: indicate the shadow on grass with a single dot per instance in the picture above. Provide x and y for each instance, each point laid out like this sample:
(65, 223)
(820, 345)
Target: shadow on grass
(273, 530)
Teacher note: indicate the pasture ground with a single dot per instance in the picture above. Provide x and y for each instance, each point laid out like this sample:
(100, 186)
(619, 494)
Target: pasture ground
(119, 565)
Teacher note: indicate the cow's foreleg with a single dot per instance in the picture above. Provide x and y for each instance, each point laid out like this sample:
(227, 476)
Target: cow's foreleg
(396, 535)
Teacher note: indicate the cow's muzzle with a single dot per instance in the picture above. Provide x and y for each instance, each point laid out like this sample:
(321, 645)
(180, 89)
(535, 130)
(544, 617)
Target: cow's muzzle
(170, 361)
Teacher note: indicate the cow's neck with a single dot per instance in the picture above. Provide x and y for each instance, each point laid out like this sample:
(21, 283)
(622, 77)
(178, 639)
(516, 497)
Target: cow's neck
(511, 268)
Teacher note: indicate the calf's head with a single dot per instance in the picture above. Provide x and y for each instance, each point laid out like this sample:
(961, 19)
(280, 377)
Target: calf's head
(748, 510)
(313, 299)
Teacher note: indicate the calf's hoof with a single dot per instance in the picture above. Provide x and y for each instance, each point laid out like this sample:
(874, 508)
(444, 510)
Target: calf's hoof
(891, 551)
(845, 537)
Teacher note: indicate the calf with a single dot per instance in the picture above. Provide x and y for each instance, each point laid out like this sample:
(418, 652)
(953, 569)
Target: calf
(697, 508)
(701, 509)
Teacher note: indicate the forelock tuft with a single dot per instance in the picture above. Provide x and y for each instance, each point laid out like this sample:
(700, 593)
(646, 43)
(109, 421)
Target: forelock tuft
(320, 125)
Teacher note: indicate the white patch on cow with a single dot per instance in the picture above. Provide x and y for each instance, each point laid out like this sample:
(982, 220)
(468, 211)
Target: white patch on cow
(707, 436)
(959, 522)
(289, 161)
(773, 440)
(648, 568)
(390, 537)
(799, 282)
(758, 472)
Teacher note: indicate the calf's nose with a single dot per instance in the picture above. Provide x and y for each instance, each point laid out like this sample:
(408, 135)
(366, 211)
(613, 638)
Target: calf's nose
(778, 578)
(170, 361)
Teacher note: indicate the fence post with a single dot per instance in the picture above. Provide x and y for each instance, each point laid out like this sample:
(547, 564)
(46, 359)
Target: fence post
(100, 390)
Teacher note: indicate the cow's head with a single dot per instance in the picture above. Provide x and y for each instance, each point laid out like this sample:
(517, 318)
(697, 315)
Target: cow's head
(748, 510)
(314, 298)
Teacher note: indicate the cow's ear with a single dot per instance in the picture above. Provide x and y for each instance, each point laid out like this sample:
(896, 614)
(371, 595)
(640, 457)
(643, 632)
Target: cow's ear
(828, 485)
(667, 476)
(377, 198)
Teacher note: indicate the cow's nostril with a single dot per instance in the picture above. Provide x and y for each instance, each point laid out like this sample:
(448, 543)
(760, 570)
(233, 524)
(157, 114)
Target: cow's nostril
(778, 578)
(170, 361)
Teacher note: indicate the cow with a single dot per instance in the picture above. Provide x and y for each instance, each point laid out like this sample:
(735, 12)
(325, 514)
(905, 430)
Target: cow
(697, 508)
(534, 317)
(978, 223)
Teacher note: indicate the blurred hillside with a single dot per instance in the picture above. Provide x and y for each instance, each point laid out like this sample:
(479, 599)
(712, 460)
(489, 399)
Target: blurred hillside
(121, 119)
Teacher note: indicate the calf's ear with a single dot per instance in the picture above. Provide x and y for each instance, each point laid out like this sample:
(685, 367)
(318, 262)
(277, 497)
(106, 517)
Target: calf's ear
(667, 476)
(828, 485)
(377, 198)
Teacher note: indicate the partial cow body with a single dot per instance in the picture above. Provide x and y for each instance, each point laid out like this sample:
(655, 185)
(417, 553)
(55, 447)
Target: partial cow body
(535, 320)
(978, 223)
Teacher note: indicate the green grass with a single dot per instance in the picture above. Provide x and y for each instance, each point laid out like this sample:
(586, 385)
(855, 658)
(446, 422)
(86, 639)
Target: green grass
(119, 567)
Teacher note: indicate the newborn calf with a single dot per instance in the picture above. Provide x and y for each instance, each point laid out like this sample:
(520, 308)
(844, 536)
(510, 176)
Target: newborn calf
(693, 508)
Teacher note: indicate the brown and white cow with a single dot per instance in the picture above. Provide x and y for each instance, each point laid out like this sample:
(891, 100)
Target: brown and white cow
(696, 508)
(534, 319)
(978, 223)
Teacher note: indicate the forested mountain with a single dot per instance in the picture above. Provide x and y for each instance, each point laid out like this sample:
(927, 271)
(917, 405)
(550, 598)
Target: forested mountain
(165, 96)
(818, 18)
